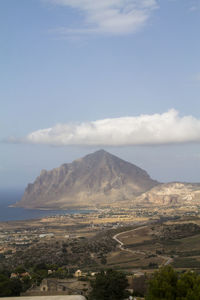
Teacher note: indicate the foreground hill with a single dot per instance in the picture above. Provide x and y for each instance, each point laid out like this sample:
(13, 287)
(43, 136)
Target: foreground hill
(97, 179)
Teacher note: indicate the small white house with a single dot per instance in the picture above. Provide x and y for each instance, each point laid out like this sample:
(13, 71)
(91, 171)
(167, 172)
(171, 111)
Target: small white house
(78, 273)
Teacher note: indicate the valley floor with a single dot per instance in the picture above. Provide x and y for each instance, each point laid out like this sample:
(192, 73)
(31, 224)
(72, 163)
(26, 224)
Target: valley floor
(121, 238)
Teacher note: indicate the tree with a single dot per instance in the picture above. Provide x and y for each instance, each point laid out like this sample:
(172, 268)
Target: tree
(167, 284)
(4, 286)
(109, 285)
(163, 285)
(9, 287)
(188, 286)
(15, 286)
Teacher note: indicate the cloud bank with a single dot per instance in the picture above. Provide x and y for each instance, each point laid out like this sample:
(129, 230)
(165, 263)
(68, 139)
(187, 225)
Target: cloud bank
(156, 129)
(114, 17)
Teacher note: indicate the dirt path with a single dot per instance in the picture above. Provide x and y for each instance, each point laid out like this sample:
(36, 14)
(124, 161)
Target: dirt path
(167, 260)
(121, 244)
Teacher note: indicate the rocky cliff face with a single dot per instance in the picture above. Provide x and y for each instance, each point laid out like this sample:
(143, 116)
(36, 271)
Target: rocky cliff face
(174, 193)
(95, 180)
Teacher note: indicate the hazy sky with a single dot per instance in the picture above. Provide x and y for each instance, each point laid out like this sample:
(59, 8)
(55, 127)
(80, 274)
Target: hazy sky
(79, 75)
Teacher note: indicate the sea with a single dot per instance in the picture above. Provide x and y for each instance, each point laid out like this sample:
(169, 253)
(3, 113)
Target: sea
(7, 213)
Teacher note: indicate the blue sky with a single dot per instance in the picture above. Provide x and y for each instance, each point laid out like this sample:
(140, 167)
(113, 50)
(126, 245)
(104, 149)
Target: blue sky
(87, 66)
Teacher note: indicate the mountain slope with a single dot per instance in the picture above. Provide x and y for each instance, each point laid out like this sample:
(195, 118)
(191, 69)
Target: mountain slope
(97, 179)
(173, 193)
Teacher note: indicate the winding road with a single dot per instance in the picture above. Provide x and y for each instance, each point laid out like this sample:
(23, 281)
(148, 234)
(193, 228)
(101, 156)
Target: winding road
(167, 260)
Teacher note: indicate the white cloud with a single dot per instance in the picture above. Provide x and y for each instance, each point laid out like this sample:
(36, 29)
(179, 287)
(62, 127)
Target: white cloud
(115, 17)
(154, 129)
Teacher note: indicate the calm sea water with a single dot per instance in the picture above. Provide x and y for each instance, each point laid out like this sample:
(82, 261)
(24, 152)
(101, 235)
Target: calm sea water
(9, 197)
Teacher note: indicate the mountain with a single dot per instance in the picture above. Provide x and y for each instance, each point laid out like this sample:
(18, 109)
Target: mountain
(173, 193)
(97, 179)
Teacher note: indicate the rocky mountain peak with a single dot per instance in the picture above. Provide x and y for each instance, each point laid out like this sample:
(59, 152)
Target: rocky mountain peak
(99, 178)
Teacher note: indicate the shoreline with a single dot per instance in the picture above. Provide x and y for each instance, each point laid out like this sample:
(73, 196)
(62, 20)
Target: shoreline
(11, 213)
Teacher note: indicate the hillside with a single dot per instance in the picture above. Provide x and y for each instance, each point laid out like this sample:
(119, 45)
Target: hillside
(174, 193)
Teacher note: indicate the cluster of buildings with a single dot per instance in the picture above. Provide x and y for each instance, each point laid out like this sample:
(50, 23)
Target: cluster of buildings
(15, 239)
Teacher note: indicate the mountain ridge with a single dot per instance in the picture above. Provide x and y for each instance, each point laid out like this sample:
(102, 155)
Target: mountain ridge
(98, 179)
